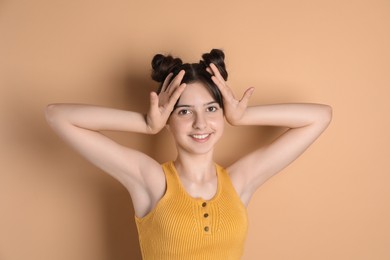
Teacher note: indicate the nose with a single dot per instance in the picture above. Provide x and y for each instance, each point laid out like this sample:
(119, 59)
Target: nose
(200, 122)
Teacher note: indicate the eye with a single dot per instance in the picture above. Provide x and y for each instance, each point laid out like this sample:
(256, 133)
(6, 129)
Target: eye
(212, 109)
(184, 112)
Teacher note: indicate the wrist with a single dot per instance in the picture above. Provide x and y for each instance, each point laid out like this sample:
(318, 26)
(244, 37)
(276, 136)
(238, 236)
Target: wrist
(150, 126)
(236, 120)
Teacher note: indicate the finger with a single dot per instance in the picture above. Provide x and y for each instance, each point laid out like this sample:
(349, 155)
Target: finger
(176, 82)
(166, 82)
(221, 86)
(217, 78)
(175, 96)
(209, 70)
(153, 100)
(245, 98)
(216, 72)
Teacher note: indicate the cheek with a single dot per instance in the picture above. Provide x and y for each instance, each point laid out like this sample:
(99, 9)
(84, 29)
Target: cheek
(222, 125)
(176, 125)
(218, 122)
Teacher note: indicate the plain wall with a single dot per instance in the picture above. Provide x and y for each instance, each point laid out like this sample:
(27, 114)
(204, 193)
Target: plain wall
(332, 203)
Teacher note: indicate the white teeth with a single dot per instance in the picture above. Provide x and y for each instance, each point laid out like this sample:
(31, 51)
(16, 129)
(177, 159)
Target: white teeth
(200, 136)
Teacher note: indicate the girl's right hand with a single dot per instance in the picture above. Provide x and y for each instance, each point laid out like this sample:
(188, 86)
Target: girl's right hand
(162, 105)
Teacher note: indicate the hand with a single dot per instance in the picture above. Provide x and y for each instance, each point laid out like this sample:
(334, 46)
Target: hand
(162, 105)
(234, 109)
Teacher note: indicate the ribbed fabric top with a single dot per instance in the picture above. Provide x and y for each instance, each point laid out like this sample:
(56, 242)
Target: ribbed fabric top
(181, 227)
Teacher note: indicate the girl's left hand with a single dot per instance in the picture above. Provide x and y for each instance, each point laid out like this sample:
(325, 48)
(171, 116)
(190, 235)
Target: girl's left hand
(234, 109)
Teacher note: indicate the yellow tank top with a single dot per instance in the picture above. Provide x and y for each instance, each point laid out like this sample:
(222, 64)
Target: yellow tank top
(181, 227)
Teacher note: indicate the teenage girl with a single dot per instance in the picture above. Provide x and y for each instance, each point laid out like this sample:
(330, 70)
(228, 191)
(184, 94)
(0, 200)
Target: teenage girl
(190, 207)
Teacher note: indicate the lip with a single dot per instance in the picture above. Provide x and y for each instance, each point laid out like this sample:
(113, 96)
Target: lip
(200, 138)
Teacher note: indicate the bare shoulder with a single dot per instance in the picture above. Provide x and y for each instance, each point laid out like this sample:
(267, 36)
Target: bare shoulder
(149, 184)
(237, 172)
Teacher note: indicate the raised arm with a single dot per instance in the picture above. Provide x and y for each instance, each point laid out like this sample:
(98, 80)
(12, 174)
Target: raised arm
(304, 123)
(80, 125)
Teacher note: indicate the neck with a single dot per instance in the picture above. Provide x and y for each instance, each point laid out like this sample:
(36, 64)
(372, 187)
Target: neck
(197, 168)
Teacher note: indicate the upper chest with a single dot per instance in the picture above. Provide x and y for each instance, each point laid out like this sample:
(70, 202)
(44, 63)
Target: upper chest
(204, 189)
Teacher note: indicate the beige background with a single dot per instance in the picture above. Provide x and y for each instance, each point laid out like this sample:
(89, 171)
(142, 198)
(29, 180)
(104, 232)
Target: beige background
(332, 203)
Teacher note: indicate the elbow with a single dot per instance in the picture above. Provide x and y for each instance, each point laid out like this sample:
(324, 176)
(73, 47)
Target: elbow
(329, 113)
(326, 114)
(51, 113)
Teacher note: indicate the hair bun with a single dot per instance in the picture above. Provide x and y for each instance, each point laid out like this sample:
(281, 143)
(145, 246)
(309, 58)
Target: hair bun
(163, 65)
(217, 57)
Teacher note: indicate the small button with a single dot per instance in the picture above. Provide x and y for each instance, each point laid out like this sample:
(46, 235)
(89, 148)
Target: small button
(204, 204)
(206, 229)
(205, 215)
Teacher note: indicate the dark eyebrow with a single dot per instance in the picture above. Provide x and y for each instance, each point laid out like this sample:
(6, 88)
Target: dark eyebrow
(212, 102)
(182, 106)
(207, 104)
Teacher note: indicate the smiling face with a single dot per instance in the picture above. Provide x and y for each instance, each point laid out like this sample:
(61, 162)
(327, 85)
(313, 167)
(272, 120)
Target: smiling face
(197, 123)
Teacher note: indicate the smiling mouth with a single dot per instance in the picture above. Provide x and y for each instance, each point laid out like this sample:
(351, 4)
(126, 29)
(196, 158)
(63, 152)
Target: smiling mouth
(200, 137)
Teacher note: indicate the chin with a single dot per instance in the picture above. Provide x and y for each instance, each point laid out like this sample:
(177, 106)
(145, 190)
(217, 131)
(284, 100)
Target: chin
(201, 149)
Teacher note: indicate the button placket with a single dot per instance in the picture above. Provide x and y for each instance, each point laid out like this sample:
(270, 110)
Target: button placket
(205, 216)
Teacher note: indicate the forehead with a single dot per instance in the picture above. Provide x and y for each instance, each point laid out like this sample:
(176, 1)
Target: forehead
(195, 93)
